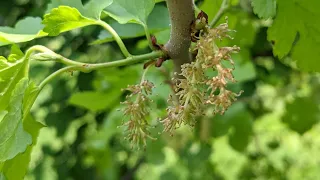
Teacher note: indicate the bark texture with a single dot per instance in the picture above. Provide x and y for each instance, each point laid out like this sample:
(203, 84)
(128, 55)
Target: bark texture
(181, 15)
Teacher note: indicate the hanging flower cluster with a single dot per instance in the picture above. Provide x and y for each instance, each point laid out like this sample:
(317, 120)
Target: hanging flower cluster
(193, 88)
(137, 110)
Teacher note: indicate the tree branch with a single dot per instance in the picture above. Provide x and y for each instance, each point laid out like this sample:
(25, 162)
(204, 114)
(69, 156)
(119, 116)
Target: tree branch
(84, 67)
(181, 16)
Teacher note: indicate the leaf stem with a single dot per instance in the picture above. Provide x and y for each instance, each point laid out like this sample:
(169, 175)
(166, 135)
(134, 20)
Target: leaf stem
(148, 37)
(223, 8)
(115, 36)
(54, 75)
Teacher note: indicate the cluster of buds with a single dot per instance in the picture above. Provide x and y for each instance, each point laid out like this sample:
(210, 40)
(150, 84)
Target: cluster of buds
(137, 110)
(194, 89)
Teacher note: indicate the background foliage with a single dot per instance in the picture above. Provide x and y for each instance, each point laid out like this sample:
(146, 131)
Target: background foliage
(272, 132)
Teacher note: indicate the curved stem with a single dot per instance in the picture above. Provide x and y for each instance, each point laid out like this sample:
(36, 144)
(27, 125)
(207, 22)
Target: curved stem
(29, 53)
(145, 72)
(223, 8)
(83, 67)
(148, 37)
(54, 75)
(115, 36)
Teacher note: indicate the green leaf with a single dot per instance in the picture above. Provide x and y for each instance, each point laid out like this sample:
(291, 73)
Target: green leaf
(303, 31)
(14, 139)
(91, 10)
(237, 123)
(15, 54)
(264, 8)
(95, 101)
(10, 75)
(16, 127)
(302, 114)
(25, 30)
(64, 18)
(3, 63)
(242, 131)
(95, 7)
(245, 69)
(17, 167)
(133, 11)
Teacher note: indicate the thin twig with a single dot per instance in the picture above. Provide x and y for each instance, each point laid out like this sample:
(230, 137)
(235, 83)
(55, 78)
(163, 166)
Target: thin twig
(223, 8)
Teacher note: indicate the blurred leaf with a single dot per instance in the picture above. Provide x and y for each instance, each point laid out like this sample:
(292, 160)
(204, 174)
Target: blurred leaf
(95, 101)
(304, 25)
(237, 123)
(2, 177)
(168, 175)
(154, 151)
(211, 7)
(245, 69)
(195, 154)
(242, 131)
(116, 79)
(61, 118)
(163, 36)
(133, 11)
(302, 114)
(246, 30)
(25, 30)
(264, 8)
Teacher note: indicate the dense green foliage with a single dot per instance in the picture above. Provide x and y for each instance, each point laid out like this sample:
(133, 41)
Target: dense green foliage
(71, 128)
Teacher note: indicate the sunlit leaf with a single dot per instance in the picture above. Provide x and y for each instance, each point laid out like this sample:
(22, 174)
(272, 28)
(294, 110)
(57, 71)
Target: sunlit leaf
(64, 18)
(94, 101)
(302, 114)
(14, 138)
